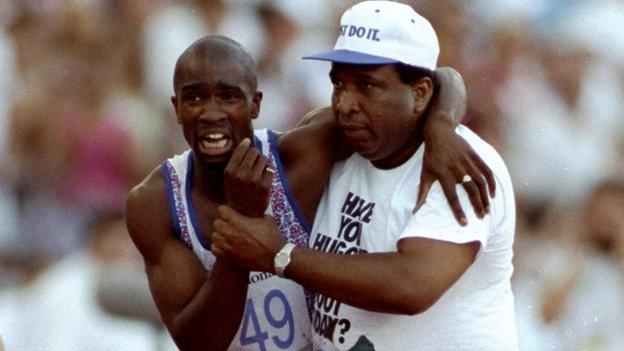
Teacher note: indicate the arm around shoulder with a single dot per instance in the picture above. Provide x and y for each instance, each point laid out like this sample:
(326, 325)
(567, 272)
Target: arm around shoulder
(448, 158)
(308, 154)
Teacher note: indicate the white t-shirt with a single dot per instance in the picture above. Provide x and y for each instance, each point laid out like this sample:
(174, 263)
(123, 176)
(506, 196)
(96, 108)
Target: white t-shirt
(365, 209)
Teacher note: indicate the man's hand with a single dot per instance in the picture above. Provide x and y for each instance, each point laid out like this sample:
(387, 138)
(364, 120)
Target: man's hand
(449, 158)
(247, 179)
(251, 243)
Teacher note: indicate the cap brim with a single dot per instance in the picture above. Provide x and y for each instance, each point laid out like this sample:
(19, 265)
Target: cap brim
(351, 57)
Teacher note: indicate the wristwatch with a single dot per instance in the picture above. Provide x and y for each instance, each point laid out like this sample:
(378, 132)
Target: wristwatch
(282, 259)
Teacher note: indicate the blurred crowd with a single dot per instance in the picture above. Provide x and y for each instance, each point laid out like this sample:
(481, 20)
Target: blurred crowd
(85, 113)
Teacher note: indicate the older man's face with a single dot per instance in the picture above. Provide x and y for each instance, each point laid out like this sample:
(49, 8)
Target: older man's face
(376, 111)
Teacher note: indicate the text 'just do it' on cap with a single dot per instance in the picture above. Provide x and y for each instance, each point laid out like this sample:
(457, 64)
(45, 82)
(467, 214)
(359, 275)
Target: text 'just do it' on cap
(384, 32)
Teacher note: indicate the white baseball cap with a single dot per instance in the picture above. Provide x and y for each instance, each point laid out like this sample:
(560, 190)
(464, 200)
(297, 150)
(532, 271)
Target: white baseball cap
(384, 32)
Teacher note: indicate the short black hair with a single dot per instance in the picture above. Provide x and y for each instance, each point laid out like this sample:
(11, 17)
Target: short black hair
(411, 74)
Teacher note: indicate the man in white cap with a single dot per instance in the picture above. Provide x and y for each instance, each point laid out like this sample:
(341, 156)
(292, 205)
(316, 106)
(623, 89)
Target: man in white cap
(388, 279)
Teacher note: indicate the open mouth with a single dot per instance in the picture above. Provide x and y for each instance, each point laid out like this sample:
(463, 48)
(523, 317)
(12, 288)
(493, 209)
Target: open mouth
(215, 143)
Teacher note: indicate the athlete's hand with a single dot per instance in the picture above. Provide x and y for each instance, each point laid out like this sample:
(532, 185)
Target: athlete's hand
(247, 180)
(251, 243)
(448, 158)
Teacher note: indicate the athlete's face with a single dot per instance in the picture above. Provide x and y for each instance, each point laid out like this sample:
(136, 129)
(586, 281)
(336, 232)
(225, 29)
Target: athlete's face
(215, 105)
(378, 113)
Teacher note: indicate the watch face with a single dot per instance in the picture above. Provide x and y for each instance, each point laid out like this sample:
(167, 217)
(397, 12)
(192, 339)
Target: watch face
(281, 260)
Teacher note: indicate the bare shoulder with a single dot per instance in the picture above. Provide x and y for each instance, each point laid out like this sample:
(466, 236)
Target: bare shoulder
(150, 193)
(147, 213)
(315, 136)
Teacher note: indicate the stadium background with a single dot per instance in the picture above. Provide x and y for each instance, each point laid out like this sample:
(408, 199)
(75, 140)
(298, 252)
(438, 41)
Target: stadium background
(85, 114)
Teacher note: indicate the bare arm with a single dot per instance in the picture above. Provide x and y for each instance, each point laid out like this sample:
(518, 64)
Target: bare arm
(190, 302)
(308, 154)
(406, 282)
(448, 157)
(449, 102)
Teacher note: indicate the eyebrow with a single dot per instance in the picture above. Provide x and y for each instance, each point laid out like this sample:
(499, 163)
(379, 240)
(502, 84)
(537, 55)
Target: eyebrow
(367, 76)
(204, 85)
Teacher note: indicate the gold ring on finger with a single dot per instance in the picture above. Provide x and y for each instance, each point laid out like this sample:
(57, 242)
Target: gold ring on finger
(466, 179)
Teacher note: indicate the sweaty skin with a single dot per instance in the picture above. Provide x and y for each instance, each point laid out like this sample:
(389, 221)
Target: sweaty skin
(215, 100)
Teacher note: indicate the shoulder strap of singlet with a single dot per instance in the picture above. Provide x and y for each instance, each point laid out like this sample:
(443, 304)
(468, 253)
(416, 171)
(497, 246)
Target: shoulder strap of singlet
(285, 208)
(173, 184)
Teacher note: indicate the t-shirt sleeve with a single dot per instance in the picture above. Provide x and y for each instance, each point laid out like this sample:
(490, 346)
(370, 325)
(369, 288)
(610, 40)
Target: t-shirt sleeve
(435, 220)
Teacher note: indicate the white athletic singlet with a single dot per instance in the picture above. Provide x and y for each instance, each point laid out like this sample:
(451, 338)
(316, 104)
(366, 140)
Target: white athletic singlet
(276, 315)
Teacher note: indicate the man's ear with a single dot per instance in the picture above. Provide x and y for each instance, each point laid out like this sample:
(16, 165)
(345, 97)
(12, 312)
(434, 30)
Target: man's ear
(423, 91)
(174, 101)
(255, 104)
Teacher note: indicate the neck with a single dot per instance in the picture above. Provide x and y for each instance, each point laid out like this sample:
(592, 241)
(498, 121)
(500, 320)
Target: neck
(404, 153)
(208, 181)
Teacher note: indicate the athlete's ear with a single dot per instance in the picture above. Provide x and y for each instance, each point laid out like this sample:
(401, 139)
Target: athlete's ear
(174, 101)
(422, 90)
(255, 104)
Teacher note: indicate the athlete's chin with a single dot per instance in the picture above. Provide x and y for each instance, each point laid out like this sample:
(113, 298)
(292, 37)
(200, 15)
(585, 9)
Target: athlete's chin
(215, 161)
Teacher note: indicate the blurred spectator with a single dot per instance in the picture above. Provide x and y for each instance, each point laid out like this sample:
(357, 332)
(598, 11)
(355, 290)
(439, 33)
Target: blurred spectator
(127, 99)
(282, 103)
(8, 172)
(576, 118)
(290, 86)
(545, 240)
(31, 140)
(577, 295)
(61, 310)
(598, 24)
(562, 110)
(78, 152)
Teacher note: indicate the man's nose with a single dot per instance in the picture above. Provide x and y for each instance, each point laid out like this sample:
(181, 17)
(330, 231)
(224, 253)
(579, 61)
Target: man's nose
(212, 112)
(347, 103)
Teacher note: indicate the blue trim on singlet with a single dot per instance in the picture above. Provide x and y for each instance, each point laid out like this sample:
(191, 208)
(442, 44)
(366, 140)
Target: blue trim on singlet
(258, 144)
(189, 201)
(172, 205)
(280, 169)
